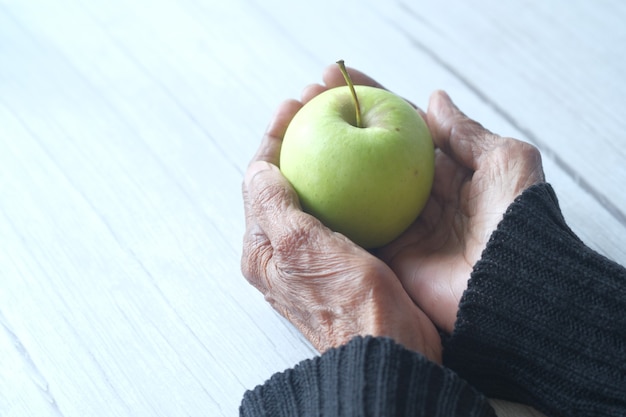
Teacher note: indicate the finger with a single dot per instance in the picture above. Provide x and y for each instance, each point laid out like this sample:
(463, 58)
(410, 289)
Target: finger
(333, 78)
(266, 195)
(256, 257)
(269, 149)
(257, 249)
(458, 136)
(311, 92)
(256, 253)
(273, 203)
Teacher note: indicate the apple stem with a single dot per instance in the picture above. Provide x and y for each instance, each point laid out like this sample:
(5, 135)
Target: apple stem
(346, 76)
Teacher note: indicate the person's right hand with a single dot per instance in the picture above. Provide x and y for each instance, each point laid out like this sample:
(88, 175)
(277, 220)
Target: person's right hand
(331, 289)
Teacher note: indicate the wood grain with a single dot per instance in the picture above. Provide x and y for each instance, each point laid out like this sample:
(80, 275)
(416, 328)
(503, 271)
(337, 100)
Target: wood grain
(125, 129)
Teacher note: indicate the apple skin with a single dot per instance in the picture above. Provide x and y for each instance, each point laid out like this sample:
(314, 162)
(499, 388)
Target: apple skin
(368, 183)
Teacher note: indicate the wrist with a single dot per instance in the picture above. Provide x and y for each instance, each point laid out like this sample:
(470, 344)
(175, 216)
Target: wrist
(391, 313)
(533, 318)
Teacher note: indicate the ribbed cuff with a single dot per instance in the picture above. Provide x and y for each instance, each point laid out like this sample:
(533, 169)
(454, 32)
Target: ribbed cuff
(366, 377)
(543, 320)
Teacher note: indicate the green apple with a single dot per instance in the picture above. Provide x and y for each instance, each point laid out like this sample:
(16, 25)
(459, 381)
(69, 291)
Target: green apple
(361, 160)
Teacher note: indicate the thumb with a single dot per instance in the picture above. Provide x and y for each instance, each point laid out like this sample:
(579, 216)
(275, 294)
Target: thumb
(458, 136)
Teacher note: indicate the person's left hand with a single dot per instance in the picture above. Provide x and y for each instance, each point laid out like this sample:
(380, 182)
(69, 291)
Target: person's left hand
(478, 174)
(328, 287)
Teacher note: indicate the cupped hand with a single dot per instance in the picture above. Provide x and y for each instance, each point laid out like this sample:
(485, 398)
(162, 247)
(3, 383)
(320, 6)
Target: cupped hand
(331, 289)
(478, 174)
(328, 287)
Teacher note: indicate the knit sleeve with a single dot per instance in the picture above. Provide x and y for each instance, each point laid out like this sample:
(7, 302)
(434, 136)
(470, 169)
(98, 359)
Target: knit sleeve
(543, 320)
(366, 377)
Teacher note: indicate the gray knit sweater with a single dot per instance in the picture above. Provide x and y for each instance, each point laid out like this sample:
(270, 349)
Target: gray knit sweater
(543, 322)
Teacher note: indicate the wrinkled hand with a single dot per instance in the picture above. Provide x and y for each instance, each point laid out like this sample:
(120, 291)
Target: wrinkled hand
(328, 287)
(331, 289)
(478, 174)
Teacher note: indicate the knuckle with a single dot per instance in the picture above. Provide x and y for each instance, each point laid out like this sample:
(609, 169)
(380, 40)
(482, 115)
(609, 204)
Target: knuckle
(266, 195)
(524, 159)
(528, 151)
(248, 260)
(255, 258)
(269, 194)
(528, 154)
(515, 149)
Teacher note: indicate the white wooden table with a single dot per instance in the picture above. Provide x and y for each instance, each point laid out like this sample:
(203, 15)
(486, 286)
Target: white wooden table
(125, 128)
